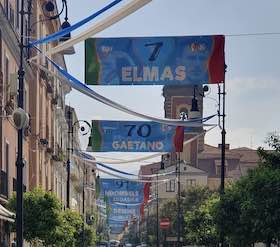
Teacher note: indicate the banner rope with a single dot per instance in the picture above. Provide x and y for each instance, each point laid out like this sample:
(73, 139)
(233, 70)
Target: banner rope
(114, 161)
(81, 87)
(59, 34)
(102, 25)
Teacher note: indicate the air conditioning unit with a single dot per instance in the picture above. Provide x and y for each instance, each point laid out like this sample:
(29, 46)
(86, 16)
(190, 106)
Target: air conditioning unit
(13, 84)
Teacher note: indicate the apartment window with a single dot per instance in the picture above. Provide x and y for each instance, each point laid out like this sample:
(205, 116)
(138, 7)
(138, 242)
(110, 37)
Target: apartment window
(170, 186)
(218, 167)
(6, 7)
(7, 78)
(26, 30)
(11, 15)
(218, 170)
(17, 14)
(191, 182)
(5, 172)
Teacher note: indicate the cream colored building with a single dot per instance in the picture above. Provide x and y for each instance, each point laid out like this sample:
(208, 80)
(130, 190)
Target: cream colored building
(189, 176)
(41, 92)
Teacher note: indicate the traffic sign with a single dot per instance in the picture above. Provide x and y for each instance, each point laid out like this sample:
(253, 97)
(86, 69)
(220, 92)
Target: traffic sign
(164, 223)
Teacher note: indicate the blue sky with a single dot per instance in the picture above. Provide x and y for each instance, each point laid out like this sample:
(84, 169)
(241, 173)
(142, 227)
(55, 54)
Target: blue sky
(253, 61)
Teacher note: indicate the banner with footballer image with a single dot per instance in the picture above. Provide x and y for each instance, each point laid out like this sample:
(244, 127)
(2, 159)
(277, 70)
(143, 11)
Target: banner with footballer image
(182, 60)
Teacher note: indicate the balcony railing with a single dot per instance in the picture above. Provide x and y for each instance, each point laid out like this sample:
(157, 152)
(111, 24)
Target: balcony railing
(3, 184)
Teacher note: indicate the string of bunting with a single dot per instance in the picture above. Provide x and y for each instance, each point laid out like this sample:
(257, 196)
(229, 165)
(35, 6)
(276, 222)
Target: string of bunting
(130, 174)
(114, 161)
(81, 87)
(102, 25)
(60, 33)
(131, 179)
(91, 160)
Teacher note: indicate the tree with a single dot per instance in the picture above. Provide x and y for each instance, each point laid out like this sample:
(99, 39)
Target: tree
(47, 223)
(87, 237)
(41, 214)
(195, 196)
(200, 226)
(191, 199)
(249, 211)
(68, 231)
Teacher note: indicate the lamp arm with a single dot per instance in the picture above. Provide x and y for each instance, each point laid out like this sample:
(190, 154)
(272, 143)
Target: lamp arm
(50, 18)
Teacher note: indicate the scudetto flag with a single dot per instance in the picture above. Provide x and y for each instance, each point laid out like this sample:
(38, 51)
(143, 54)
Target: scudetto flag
(179, 139)
(185, 60)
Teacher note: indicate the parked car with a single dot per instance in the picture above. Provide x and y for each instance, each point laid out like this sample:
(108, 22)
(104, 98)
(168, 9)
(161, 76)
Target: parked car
(103, 244)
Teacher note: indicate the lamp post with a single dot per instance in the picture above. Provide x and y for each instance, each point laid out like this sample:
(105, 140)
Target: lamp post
(19, 161)
(70, 131)
(178, 167)
(84, 130)
(223, 149)
(157, 201)
(157, 212)
(84, 183)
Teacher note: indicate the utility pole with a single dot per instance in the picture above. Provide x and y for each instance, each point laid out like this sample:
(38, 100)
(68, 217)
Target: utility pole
(223, 149)
(157, 212)
(84, 184)
(178, 202)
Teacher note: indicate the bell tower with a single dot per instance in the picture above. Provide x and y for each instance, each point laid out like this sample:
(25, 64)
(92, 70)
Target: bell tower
(180, 99)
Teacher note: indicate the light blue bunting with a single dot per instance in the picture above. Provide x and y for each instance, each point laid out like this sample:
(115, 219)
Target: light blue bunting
(59, 34)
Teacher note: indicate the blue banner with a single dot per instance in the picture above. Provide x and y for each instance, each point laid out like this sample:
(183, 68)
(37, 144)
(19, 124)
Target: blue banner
(184, 60)
(123, 213)
(117, 190)
(129, 194)
(132, 136)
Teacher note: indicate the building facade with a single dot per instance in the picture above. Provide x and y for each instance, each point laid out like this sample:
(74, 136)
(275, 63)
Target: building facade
(44, 98)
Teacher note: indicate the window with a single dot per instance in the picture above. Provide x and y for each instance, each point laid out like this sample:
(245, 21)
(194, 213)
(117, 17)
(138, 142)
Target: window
(218, 167)
(7, 78)
(170, 186)
(17, 14)
(26, 99)
(11, 15)
(218, 170)
(6, 7)
(191, 182)
(7, 159)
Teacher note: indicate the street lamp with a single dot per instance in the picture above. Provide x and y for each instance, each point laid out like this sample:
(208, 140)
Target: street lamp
(84, 130)
(157, 199)
(20, 162)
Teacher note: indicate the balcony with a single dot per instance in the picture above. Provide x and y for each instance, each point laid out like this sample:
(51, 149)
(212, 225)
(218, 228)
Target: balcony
(4, 184)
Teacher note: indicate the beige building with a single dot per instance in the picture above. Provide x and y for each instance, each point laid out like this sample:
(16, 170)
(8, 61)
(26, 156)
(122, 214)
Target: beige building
(44, 102)
(189, 176)
(82, 168)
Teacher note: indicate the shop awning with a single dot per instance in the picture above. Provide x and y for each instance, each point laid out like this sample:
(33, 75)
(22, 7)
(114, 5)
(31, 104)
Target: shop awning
(6, 215)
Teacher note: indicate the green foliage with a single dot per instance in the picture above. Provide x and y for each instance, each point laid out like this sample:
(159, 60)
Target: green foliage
(195, 196)
(41, 214)
(68, 230)
(45, 222)
(200, 227)
(249, 211)
(271, 158)
(87, 237)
